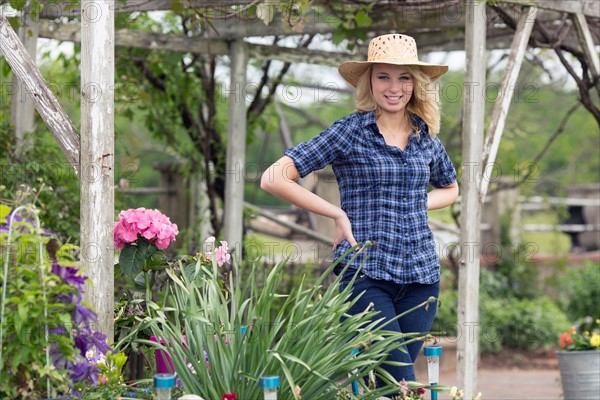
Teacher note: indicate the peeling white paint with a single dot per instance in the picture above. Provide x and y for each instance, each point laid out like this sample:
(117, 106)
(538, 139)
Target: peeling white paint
(97, 155)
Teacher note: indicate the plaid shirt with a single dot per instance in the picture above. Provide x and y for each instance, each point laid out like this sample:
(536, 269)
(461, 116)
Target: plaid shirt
(383, 190)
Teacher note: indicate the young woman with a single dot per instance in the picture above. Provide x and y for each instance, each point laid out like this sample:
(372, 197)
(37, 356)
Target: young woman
(384, 156)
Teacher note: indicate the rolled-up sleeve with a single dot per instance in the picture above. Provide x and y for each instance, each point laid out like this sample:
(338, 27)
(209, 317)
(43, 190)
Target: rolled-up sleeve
(324, 148)
(442, 171)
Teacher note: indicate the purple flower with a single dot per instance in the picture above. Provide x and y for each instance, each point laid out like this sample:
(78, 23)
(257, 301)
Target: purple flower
(80, 314)
(58, 358)
(69, 274)
(23, 225)
(83, 315)
(84, 370)
(86, 339)
(58, 331)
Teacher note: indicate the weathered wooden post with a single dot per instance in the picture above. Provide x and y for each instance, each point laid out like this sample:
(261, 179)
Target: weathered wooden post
(97, 157)
(473, 120)
(236, 148)
(22, 110)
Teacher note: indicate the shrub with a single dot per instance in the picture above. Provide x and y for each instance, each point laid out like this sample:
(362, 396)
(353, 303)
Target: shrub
(580, 290)
(525, 324)
(505, 320)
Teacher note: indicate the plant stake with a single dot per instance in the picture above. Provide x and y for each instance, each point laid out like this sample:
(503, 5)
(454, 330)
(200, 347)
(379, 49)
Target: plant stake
(433, 354)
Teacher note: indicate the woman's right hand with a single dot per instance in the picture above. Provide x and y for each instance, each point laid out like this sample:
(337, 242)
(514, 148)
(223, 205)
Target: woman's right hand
(280, 180)
(343, 230)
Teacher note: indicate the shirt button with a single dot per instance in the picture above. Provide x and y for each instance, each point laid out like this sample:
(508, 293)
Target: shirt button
(405, 216)
(406, 234)
(407, 253)
(405, 164)
(404, 199)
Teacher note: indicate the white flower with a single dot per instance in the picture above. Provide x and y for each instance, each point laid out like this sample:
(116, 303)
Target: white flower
(100, 359)
(191, 368)
(478, 396)
(453, 391)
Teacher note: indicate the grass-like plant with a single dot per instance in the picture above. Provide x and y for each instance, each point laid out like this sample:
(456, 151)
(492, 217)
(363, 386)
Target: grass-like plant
(237, 332)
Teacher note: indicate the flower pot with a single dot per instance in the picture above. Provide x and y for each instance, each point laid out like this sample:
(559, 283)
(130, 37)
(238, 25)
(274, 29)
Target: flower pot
(580, 374)
(164, 365)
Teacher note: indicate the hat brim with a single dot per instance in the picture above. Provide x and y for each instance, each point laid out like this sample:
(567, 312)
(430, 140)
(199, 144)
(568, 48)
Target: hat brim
(351, 71)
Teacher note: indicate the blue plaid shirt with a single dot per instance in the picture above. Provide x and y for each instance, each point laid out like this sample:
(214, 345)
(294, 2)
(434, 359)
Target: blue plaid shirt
(383, 190)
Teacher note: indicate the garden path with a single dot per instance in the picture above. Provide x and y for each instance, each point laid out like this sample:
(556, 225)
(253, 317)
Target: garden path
(514, 384)
(511, 374)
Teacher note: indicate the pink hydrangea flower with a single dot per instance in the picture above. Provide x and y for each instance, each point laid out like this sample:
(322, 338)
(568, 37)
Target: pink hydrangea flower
(221, 253)
(150, 224)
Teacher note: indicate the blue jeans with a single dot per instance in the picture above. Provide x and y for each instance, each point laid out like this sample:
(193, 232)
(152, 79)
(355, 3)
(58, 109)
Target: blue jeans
(391, 299)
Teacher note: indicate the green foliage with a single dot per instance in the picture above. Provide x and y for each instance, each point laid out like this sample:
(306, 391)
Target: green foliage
(514, 274)
(133, 256)
(42, 176)
(303, 341)
(580, 291)
(349, 22)
(32, 297)
(446, 317)
(505, 319)
(515, 323)
(112, 384)
(111, 379)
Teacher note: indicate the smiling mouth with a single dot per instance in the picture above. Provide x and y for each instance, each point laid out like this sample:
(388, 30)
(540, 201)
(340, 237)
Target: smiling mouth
(393, 98)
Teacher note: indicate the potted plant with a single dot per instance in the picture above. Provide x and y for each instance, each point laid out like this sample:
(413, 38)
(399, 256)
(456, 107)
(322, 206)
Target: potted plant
(579, 360)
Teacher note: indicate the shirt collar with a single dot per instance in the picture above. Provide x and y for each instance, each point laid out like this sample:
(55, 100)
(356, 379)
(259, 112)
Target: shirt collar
(368, 118)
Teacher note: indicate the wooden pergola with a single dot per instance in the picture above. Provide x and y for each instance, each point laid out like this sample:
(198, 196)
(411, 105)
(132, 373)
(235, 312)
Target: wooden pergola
(436, 25)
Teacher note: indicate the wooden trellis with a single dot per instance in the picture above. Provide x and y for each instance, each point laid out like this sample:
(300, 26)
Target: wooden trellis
(432, 29)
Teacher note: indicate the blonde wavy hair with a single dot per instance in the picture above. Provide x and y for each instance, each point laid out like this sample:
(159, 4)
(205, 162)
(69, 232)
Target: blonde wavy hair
(424, 101)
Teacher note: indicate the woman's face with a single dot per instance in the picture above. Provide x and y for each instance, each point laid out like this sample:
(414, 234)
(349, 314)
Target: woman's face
(392, 87)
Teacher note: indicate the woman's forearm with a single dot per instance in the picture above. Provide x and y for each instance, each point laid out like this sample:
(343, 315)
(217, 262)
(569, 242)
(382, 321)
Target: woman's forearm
(442, 197)
(280, 180)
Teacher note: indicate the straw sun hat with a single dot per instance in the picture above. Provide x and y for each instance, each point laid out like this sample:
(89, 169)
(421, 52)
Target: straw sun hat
(394, 49)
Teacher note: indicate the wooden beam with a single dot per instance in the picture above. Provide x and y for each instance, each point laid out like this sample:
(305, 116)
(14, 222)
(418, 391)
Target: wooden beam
(97, 159)
(311, 234)
(22, 111)
(587, 42)
(179, 43)
(561, 228)
(139, 39)
(507, 88)
(236, 149)
(468, 269)
(66, 9)
(23, 67)
(589, 8)
(428, 41)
